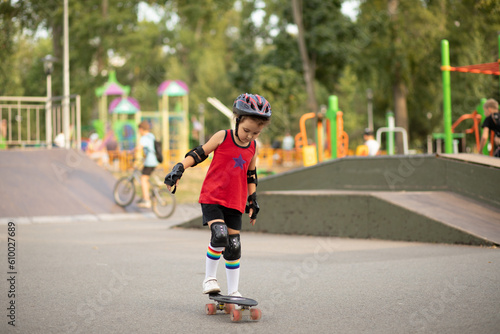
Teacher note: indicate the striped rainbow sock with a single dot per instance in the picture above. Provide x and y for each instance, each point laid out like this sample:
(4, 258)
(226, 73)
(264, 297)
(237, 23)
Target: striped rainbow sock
(233, 264)
(214, 254)
(212, 261)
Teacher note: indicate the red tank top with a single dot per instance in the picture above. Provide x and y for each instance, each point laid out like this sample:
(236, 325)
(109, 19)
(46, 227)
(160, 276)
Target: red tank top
(226, 180)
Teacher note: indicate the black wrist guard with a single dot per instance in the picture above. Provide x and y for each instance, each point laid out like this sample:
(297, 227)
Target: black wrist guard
(198, 154)
(252, 204)
(175, 175)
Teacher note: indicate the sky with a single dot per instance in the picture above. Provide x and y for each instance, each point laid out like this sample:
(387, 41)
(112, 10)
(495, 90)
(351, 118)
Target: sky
(349, 8)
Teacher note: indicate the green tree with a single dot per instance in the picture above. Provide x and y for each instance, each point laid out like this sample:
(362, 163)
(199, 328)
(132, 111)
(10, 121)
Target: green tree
(326, 34)
(220, 49)
(401, 58)
(285, 89)
(400, 39)
(200, 53)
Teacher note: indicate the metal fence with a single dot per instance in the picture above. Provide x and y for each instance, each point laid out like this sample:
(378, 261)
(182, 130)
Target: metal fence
(24, 121)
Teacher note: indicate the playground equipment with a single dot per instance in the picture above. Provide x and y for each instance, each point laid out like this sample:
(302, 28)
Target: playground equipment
(111, 88)
(113, 119)
(476, 119)
(169, 123)
(487, 68)
(312, 154)
(338, 137)
(123, 106)
(175, 121)
(123, 127)
(390, 129)
(223, 109)
(308, 151)
(474, 129)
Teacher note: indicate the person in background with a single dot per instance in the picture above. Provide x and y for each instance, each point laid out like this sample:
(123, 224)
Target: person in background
(147, 148)
(370, 142)
(491, 123)
(197, 127)
(287, 146)
(96, 150)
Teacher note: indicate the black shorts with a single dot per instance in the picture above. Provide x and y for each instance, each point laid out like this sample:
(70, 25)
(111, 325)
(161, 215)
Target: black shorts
(231, 217)
(147, 170)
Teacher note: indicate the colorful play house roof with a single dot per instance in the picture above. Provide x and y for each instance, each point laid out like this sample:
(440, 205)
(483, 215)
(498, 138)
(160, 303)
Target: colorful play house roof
(112, 87)
(173, 88)
(124, 105)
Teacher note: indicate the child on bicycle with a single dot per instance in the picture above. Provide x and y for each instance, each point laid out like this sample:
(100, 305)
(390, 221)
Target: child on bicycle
(231, 177)
(146, 148)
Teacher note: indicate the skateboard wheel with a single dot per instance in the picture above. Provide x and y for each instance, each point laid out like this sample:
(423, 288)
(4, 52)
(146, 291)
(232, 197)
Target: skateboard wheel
(235, 315)
(255, 314)
(210, 309)
(228, 308)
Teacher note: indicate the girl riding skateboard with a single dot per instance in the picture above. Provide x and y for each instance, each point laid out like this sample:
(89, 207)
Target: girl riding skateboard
(229, 188)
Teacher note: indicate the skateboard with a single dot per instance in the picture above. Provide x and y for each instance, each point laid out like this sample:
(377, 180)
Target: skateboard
(228, 305)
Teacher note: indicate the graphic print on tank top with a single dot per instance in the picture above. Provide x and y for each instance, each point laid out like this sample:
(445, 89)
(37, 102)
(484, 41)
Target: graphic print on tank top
(226, 180)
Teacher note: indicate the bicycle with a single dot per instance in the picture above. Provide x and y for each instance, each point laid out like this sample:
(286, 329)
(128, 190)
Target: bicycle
(162, 201)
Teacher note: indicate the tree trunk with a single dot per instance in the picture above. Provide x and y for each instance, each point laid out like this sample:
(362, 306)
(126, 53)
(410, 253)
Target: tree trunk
(306, 64)
(399, 90)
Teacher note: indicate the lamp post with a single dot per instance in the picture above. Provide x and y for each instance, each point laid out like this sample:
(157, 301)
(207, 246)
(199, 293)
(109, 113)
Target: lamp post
(65, 104)
(369, 97)
(48, 66)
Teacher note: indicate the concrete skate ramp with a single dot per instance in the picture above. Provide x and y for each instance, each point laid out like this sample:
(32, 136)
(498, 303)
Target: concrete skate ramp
(434, 216)
(443, 199)
(55, 182)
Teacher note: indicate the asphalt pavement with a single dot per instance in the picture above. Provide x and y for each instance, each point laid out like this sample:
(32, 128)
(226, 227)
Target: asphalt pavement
(144, 276)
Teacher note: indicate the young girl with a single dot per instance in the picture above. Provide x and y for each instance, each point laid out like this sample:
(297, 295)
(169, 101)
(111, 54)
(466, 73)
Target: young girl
(230, 179)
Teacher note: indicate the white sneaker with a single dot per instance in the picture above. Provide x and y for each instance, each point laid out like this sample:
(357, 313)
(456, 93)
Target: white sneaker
(144, 204)
(210, 285)
(236, 294)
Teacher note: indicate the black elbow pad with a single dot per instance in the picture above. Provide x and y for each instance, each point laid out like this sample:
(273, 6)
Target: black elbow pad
(198, 154)
(252, 177)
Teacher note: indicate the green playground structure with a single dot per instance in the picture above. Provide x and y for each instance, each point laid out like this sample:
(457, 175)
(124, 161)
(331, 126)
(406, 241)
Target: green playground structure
(487, 68)
(170, 123)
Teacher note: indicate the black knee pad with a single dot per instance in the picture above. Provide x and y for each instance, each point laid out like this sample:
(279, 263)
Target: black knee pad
(233, 249)
(219, 234)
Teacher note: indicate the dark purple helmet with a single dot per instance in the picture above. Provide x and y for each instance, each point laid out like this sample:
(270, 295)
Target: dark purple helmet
(252, 105)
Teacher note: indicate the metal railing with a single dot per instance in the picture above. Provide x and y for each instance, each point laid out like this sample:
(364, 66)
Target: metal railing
(24, 121)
